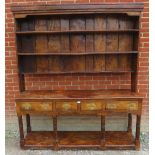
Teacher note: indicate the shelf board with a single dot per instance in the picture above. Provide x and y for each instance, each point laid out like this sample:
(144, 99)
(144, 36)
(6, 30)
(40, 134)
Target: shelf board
(79, 72)
(115, 140)
(75, 31)
(39, 139)
(79, 139)
(77, 53)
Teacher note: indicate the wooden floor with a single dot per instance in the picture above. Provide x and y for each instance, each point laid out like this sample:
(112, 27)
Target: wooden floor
(79, 139)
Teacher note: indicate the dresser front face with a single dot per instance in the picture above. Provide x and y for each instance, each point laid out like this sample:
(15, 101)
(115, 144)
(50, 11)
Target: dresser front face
(68, 107)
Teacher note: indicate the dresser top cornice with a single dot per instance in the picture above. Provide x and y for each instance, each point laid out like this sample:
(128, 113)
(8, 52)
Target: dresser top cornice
(26, 10)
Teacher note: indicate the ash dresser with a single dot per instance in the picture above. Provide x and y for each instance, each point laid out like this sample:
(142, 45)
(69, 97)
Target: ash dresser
(78, 39)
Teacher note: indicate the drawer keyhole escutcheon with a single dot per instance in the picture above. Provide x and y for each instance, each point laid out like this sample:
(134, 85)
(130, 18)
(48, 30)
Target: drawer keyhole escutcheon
(26, 106)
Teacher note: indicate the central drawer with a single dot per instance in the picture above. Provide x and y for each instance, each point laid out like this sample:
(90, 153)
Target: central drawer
(66, 106)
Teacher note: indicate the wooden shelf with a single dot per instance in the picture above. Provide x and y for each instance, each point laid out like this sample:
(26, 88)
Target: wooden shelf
(79, 139)
(76, 72)
(119, 140)
(39, 139)
(76, 31)
(77, 53)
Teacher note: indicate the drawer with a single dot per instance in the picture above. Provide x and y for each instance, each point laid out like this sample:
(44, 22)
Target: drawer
(66, 106)
(122, 105)
(92, 105)
(34, 107)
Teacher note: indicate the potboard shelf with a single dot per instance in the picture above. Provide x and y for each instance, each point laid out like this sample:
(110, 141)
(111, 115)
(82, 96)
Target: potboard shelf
(79, 139)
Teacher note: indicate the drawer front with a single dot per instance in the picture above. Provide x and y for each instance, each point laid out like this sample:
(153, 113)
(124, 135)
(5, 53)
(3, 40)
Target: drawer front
(92, 105)
(66, 106)
(122, 105)
(34, 107)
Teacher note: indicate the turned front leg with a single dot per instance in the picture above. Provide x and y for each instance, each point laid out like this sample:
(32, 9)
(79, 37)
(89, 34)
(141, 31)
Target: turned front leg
(55, 132)
(28, 123)
(21, 132)
(130, 123)
(103, 131)
(137, 140)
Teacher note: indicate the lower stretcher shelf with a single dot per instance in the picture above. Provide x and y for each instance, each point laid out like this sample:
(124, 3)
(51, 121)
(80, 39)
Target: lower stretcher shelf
(79, 139)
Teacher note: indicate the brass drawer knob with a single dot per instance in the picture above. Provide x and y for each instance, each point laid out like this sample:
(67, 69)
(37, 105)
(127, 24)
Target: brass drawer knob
(111, 106)
(66, 106)
(45, 107)
(27, 106)
(91, 106)
(132, 106)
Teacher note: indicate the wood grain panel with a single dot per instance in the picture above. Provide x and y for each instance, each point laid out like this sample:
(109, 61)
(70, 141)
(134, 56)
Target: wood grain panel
(125, 40)
(77, 23)
(27, 25)
(124, 62)
(64, 24)
(41, 44)
(112, 42)
(89, 43)
(42, 64)
(40, 140)
(27, 44)
(112, 39)
(111, 62)
(99, 63)
(82, 139)
(77, 42)
(112, 22)
(89, 37)
(27, 64)
(126, 22)
(54, 24)
(125, 43)
(100, 22)
(100, 43)
(65, 45)
(76, 63)
(40, 24)
(54, 45)
(55, 64)
(41, 40)
(89, 63)
(100, 39)
(90, 23)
